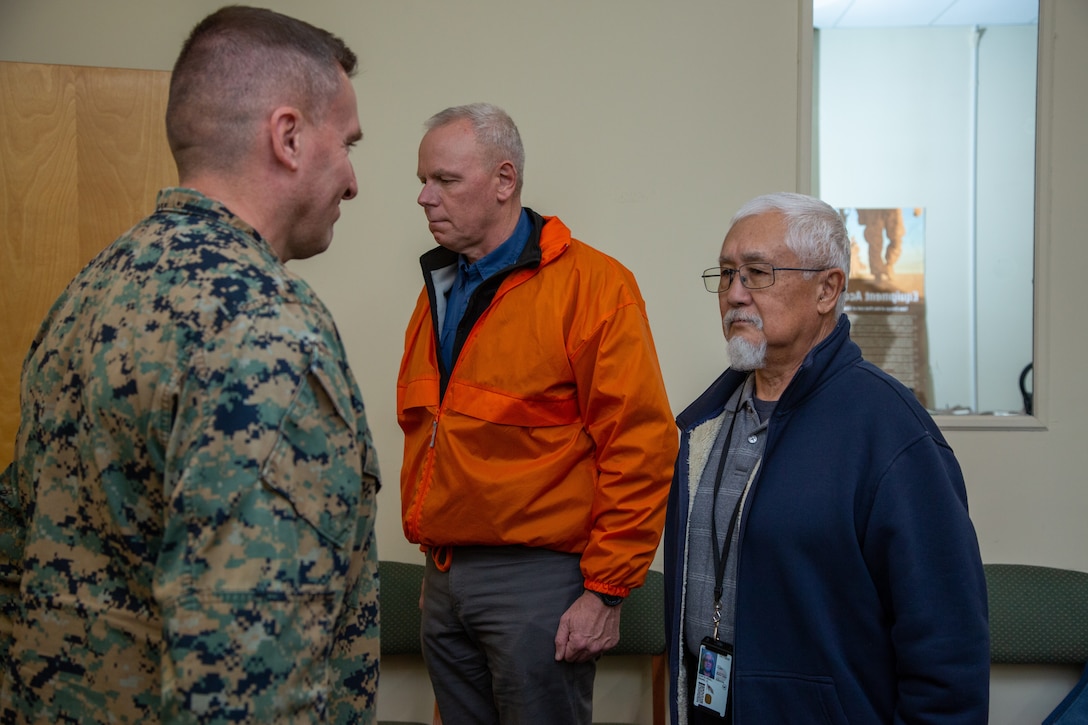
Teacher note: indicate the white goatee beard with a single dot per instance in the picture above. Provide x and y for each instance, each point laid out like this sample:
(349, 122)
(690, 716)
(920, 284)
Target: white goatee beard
(744, 355)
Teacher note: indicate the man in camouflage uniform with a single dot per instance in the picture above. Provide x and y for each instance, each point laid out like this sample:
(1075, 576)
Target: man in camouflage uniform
(186, 533)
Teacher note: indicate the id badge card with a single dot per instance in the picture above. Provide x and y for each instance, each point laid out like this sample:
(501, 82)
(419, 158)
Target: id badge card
(712, 680)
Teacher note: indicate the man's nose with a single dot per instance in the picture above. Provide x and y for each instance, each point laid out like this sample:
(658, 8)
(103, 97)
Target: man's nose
(353, 187)
(737, 292)
(426, 196)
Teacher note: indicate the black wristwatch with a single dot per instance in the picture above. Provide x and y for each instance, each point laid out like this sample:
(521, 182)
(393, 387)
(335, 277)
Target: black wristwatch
(610, 600)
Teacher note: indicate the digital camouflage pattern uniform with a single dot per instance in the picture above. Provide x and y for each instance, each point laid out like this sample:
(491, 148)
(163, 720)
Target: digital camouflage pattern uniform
(187, 530)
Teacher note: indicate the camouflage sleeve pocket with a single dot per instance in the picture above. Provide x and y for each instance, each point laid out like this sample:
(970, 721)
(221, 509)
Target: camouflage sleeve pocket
(315, 462)
(12, 542)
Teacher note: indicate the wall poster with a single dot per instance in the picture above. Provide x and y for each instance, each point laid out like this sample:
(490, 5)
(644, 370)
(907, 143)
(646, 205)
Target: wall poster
(885, 296)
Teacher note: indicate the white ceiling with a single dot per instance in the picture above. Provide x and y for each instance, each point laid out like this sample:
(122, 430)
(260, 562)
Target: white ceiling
(912, 13)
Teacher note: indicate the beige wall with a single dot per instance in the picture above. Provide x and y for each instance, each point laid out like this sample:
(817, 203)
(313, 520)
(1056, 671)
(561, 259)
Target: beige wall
(646, 124)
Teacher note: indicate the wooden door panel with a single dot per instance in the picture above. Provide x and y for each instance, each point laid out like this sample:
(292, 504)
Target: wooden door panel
(82, 154)
(123, 156)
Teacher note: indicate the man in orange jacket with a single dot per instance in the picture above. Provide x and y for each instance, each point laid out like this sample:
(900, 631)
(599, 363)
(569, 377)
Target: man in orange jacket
(538, 438)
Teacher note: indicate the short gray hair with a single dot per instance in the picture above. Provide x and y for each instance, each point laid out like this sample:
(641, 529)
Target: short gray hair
(815, 232)
(495, 132)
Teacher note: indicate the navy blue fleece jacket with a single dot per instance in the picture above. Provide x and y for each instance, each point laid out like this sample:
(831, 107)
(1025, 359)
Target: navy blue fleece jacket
(861, 596)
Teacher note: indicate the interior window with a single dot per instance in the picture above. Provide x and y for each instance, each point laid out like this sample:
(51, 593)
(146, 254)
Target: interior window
(924, 138)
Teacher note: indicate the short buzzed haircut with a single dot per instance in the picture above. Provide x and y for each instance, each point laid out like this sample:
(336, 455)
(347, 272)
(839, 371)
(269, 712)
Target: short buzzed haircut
(237, 65)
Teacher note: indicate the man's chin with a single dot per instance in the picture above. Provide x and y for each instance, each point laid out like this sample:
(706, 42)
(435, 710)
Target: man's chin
(438, 233)
(746, 355)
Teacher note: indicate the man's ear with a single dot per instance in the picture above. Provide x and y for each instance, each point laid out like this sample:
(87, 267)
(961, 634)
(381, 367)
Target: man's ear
(285, 125)
(830, 288)
(508, 180)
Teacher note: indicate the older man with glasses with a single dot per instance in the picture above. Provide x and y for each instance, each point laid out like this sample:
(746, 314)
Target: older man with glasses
(817, 540)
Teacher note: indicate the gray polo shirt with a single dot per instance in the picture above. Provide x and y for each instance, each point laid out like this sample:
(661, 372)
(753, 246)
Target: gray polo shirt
(749, 436)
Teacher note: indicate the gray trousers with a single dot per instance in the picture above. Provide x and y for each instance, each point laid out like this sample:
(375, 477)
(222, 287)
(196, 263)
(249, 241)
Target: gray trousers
(489, 628)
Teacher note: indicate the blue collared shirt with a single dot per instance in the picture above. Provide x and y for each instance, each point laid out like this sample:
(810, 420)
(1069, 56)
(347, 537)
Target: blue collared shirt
(471, 276)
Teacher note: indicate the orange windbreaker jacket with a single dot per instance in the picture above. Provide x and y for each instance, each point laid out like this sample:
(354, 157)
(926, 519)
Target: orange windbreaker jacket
(554, 429)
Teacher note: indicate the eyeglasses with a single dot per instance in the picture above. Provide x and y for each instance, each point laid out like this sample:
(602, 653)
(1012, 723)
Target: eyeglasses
(752, 276)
